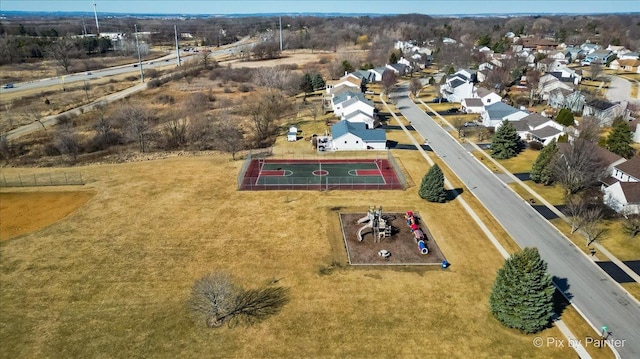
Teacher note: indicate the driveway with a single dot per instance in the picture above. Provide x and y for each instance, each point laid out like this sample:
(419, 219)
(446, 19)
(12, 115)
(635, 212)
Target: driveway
(602, 301)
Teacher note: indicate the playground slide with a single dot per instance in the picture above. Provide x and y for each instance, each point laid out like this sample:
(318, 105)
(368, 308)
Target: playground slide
(364, 219)
(368, 225)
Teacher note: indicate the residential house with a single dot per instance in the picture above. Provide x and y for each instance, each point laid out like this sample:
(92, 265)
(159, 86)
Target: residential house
(458, 86)
(337, 102)
(539, 45)
(573, 54)
(605, 112)
(471, 105)
(348, 136)
(552, 81)
(488, 97)
(557, 98)
(356, 103)
(575, 102)
(598, 56)
(359, 116)
(629, 56)
(494, 114)
(535, 127)
(588, 48)
(347, 80)
(376, 73)
(622, 189)
(627, 65)
(398, 68)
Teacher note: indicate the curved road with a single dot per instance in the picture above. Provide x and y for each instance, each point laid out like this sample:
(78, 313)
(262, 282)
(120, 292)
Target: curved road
(592, 292)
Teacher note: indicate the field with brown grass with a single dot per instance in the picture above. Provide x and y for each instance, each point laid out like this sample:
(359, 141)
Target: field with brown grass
(112, 278)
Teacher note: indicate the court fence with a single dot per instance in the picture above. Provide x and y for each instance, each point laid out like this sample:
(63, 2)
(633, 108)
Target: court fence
(42, 179)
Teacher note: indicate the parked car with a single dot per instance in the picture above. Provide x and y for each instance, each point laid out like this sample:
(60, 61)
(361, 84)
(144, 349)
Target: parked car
(440, 100)
(453, 110)
(470, 124)
(7, 86)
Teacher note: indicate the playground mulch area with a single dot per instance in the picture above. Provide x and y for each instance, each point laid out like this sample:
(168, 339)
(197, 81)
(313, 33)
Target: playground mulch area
(401, 244)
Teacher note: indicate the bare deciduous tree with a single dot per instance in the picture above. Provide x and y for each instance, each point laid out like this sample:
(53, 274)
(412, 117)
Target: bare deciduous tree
(104, 128)
(574, 208)
(595, 70)
(264, 113)
(592, 224)
(67, 140)
(136, 120)
(631, 224)
(414, 86)
(578, 166)
(216, 299)
(175, 133)
(62, 51)
(389, 80)
(228, 135)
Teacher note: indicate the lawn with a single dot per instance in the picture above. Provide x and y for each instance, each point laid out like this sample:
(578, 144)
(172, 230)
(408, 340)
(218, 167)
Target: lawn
(112, 278)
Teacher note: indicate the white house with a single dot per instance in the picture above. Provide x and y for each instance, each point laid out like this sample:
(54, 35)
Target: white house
(338, 101)
(487, 97)
(292, 135)
(553, 81)
(359, 116)
(535, 127)
(496, 113)
(347, 80)
(376, 73)
(458, 86)
(348, 136)
(355, 103)
(622, 189)
(471, 105)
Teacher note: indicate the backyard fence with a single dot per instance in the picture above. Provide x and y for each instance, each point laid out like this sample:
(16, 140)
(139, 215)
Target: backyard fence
(42, 179)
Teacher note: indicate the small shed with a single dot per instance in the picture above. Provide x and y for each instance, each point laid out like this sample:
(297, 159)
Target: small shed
(292, 135)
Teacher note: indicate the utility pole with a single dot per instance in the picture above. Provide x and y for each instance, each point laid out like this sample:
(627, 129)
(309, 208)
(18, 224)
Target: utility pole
(280, 33)
(95, 13)
(135, 26)
(175, 30)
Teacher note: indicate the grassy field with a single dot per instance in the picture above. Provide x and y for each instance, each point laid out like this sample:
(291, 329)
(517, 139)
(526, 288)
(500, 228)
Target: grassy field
(111, 279)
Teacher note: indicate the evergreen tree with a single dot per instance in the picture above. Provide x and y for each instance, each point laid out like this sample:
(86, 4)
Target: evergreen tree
(393, 58)
(542, 169)
(565, 117)
(317, 81)
(506, 141)
(432, 186)
(306, 85)
(522, 295)
(620, 139)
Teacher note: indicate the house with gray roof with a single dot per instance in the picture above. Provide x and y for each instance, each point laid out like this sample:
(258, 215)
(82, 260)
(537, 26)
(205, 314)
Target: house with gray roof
(355, 103)
(605, 112)
(377, 73)
(471, 105)
(458, 86)
(535, 127)
(496, 113)
(622, 189)
(359, 116)
(349, 136)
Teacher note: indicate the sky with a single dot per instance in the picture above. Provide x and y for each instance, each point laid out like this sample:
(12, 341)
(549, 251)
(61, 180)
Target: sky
(429, 7)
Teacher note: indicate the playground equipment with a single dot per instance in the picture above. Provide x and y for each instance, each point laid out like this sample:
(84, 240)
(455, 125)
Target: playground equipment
(376, 222)
(418, 234)
(423, 247)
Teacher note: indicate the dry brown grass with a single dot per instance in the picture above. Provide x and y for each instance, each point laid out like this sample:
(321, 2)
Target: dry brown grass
(112, 278)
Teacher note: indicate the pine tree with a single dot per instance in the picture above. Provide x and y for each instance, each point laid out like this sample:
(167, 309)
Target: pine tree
(306, 85)
(565, 117)
(620, 139)
(542, 169)
(522, 295)
(506, 141)
(317, 81)
(432, 186)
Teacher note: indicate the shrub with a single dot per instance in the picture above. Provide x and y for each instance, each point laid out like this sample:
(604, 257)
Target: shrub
(131, 78)
(165, 99)
(245, 88)
(228, 90)
(154, 84)
(535, 145)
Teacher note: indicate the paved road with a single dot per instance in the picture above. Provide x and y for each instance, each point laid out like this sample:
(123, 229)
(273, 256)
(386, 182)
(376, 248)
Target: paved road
(620, 90)
(132, 68)
(591, 291)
